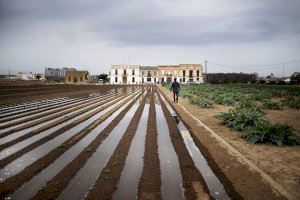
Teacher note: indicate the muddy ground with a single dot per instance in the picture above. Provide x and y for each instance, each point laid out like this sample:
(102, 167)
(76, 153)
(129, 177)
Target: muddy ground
(281, 163)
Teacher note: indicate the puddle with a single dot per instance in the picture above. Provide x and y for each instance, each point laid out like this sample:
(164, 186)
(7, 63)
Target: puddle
(86, 177)
(169, 165)
(128, 184)
(216, 189)
(19, 164)
(30, 188)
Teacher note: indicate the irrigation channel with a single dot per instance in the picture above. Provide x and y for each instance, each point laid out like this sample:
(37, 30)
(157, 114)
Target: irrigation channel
(123, 143)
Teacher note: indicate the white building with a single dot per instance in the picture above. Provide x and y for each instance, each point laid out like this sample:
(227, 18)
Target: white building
(124, 74)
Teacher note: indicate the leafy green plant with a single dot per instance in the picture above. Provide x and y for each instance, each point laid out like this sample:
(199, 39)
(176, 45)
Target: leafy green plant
(200, 102)
(265, 132)
(267, 104)
(291, 102)
(240, 118)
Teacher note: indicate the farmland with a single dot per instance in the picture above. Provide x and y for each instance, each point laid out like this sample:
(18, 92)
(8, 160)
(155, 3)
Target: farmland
(120, 142)
(261, 121)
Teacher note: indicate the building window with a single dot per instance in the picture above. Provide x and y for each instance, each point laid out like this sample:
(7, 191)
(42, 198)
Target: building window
(180, 80)
(162, 80)
(116, 72)
(116, 79)
(124, 72)
(132, 79)
(86, 76)
(183, 80)
(191, 73)
(80, 78)
(183, 72)
(69, 78)
(133, 72)
(148, 79)
(149, 74)
(197, 72)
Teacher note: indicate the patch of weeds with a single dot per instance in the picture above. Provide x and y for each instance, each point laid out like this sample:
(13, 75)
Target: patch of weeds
(62, 146)
(105, 134)
(89, 149)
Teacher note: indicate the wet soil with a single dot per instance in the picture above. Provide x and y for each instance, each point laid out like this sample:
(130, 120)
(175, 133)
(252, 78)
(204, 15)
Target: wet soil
(12, 157)
(237, 178)
(13, 182)
(11, 91)
(150, 181)
(107, 182)
(190, 173)
(128, 184)
(56, 185)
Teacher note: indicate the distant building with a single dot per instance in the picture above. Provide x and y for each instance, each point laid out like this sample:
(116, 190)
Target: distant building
(26, 76)
(77, 77)
(125, 74)
(57, 74)
(132, 74)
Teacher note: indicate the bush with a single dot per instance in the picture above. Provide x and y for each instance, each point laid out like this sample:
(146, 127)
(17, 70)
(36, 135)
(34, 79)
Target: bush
(200, 102)
(267, 133)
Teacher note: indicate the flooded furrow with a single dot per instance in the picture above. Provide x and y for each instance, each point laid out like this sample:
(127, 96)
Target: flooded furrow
(30, 188)
(6, 126)
(20, 111)
(215, 187)
(128, 183)
(27, 125)
(27, 107)
(49, 110)
(86, 177)
(20, 145)
(19, 164)
(170, 171)
(20, 133)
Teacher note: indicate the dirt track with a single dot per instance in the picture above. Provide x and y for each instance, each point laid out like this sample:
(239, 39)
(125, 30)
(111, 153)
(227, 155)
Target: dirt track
(89, 150)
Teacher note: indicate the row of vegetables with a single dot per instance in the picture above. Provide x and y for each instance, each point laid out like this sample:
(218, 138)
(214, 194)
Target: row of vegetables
(248, 102)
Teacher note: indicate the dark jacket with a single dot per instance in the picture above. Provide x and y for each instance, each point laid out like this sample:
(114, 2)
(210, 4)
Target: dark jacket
(175, 87)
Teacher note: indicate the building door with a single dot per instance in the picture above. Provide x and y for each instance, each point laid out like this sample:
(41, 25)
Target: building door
(169, 79)
(124, 79)
(75, 79)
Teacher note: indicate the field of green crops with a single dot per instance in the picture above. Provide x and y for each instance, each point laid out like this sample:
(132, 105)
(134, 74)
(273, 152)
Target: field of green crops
(249, 103)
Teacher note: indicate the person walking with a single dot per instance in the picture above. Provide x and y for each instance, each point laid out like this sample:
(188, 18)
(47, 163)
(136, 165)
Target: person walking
(175, 87)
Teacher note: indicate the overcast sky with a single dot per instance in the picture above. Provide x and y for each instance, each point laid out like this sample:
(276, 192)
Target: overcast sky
(93, 34)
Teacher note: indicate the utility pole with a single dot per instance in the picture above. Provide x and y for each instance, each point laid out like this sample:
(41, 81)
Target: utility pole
(206, 71)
